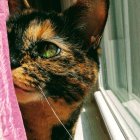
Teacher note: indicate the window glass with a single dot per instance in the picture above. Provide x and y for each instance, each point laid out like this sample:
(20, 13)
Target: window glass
(120, 60)
(134, 20)
(115, 51)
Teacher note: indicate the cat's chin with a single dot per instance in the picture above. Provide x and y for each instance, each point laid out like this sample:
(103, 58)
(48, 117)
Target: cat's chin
(26, 96)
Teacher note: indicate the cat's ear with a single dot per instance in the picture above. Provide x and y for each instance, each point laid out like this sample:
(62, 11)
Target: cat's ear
(89, 17)
(17, 5)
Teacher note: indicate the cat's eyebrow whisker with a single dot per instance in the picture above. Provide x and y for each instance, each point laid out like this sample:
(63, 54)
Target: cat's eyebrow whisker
(54, 112)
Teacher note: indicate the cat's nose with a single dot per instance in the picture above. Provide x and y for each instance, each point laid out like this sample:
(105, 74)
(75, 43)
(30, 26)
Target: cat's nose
(14, 63)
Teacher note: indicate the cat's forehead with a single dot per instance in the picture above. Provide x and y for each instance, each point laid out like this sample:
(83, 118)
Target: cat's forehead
(31, 26)
(38, 31)
(31, 19)
(44, 30)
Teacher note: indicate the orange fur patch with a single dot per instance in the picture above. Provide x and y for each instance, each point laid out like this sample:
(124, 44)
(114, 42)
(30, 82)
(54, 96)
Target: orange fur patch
(39, 118)
(38, 31)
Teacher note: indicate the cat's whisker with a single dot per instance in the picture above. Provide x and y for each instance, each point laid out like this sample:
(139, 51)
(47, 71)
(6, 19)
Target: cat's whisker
(54, 112)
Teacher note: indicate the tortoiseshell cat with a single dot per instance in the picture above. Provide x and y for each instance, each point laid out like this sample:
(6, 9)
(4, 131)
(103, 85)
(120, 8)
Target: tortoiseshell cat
(54, 57)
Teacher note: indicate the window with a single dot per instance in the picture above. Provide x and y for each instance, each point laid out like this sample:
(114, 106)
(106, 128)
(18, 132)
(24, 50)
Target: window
(66, 3)
(120, 64)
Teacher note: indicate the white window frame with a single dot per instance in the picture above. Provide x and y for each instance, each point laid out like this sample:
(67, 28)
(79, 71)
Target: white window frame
(118, 121)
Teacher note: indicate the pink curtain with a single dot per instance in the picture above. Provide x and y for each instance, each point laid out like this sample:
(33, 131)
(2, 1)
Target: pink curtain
(11, 124)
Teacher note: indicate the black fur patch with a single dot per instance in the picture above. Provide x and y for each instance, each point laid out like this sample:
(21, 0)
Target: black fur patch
(62, 88)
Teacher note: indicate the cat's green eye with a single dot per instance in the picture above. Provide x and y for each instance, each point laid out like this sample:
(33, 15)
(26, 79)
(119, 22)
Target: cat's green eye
(51, 50)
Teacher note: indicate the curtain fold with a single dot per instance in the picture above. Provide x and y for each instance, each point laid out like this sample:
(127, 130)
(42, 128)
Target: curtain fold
(11, 124)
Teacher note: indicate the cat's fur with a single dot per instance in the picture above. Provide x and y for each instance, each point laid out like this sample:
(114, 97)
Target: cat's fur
(65, 78)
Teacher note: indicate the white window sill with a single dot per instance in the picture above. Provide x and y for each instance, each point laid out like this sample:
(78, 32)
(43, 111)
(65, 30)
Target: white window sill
(112, 126)
(132, 106)
(118, 121)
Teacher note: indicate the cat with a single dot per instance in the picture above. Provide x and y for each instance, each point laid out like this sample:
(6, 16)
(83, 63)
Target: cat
(54, 62)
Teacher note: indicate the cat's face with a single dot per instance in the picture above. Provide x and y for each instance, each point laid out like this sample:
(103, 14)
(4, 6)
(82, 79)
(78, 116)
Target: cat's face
(53, 52)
